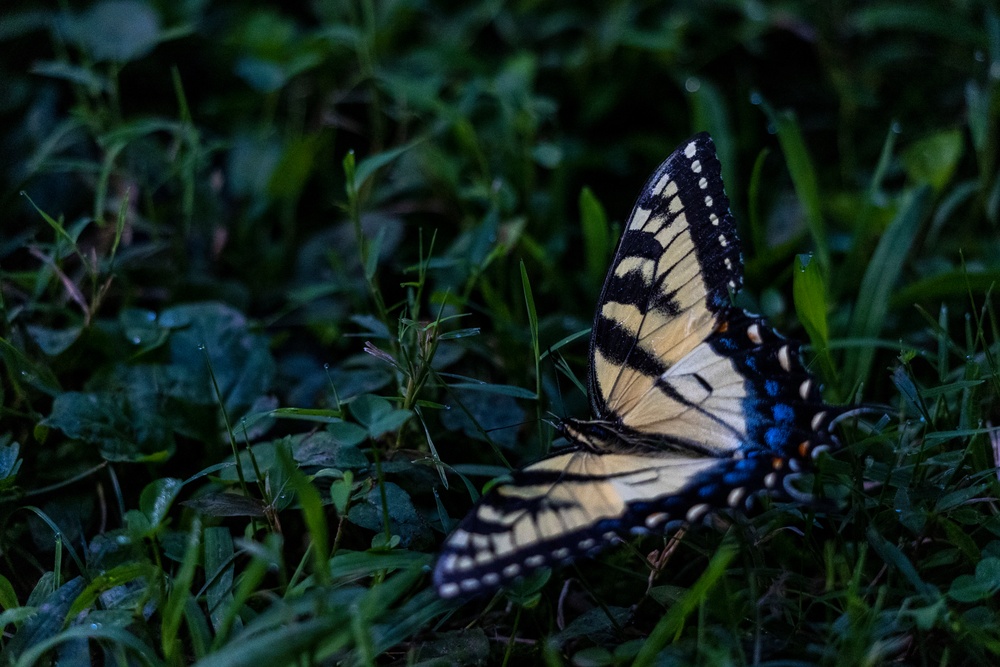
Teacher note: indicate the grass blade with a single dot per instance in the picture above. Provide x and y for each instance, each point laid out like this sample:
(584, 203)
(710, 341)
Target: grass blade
(879, 279)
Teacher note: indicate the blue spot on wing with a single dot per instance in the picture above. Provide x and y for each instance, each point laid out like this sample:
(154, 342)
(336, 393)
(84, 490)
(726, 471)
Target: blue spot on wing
(776, 437)
(783, 413)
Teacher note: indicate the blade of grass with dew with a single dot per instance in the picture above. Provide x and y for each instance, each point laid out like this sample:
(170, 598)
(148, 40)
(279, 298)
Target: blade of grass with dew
(811, 306)
(803, 173)
(883, 271)
(865, 226)
(529, 302)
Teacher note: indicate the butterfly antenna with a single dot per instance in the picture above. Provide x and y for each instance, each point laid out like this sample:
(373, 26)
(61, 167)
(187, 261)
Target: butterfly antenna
(507, 426)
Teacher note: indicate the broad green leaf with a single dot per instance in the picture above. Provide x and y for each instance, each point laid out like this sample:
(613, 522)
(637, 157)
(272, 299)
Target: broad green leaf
(547, 154)
(907, 390)
(8, 598)
(340, 492)
(483, 416)
(933, 159)
(323, 449)
(403, 518)
(377, 415)
(10, 462)
(48, 620)
(54, 342)
(141, 328)
(121, 432)
(219, 569)
(216, 334)
(367, 167)
(117, 30)
(984, 584)
(346, 433)
(157, 498)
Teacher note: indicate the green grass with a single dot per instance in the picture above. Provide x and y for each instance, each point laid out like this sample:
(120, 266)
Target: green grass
(281, 289)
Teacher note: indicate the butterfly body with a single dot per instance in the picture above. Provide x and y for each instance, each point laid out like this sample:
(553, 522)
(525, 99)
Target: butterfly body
(697, 405)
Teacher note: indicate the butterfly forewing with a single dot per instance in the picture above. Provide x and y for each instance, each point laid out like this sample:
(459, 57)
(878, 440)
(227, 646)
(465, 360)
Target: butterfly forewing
(669, 283)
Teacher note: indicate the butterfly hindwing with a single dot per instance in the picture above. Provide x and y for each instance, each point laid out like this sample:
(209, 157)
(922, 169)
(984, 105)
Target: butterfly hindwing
(697, 404)
(577, 502)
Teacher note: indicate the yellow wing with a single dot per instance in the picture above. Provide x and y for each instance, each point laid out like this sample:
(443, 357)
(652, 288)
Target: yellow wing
(666, 293)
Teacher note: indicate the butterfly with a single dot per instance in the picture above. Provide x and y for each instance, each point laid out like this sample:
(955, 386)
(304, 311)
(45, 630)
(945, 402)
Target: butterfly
(698, 405)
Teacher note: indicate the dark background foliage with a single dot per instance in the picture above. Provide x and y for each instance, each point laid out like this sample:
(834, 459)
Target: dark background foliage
(285, 284)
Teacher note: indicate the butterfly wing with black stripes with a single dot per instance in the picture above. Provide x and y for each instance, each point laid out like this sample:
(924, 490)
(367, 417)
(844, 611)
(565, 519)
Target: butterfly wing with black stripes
(696, 403)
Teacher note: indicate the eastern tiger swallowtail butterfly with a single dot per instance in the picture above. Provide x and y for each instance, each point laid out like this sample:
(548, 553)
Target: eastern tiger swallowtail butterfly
(697, 404)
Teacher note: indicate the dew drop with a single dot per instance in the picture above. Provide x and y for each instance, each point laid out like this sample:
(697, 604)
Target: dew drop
(692, 84)
(979, 56)
(896, 128)
(756, 99)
